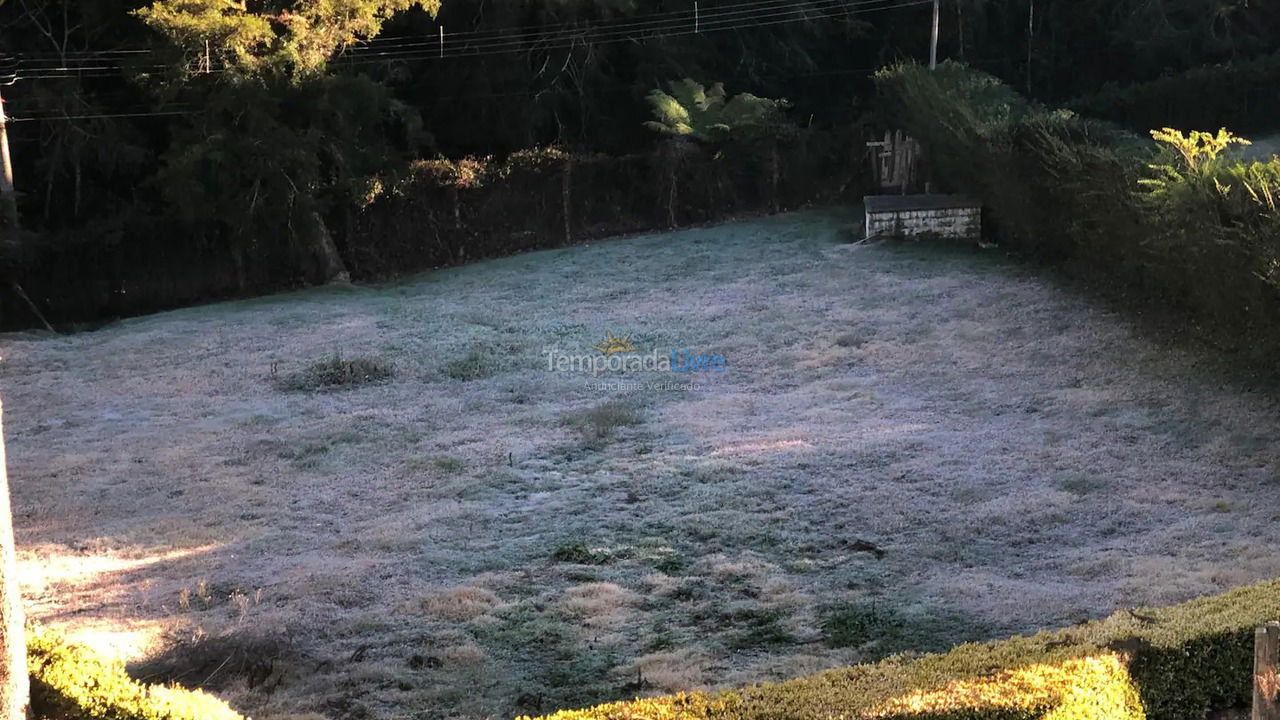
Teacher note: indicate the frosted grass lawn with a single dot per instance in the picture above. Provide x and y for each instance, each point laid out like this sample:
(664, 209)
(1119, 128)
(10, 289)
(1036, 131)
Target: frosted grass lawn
(910, 446)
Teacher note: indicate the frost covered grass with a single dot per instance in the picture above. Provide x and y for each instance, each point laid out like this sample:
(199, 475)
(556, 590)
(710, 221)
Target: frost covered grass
(909, 444)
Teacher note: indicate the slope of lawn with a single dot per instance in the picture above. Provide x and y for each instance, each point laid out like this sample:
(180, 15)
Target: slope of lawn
(378, 502)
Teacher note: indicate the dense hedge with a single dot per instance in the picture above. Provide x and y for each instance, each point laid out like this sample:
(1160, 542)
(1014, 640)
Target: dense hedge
(444, 212)
(73, 683)
(1241, 95)
(1174, 663)
(447, 212)
(1205, 242)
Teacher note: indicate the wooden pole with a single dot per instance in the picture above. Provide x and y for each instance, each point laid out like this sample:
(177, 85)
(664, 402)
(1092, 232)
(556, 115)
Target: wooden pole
(8, 198)
(937, 22)
(14, 690)
(566, 199)
(1031, 37)
(1266, 684)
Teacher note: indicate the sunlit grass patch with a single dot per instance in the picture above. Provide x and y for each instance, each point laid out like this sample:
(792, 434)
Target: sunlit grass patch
(460, 604)
(71, 682)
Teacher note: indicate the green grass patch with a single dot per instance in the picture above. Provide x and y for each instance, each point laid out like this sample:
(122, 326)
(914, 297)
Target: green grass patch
(581, 554)
(479, 363)
(336, 372)
(857, 624)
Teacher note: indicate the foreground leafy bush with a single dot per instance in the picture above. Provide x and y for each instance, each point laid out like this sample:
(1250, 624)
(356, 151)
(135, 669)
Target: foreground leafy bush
(1172, 663)
(71, 682)
(1178, 221)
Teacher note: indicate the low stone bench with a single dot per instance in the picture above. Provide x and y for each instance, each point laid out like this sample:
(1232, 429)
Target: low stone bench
(920, 216)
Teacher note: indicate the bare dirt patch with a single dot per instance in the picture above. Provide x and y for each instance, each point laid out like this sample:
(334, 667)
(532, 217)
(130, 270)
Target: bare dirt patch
(908, 443)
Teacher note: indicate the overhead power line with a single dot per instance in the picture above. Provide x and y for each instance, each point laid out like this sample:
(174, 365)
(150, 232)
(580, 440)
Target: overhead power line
(681, 15)
(683, 19)
(102, 116)
(738, 16)
(426, 51)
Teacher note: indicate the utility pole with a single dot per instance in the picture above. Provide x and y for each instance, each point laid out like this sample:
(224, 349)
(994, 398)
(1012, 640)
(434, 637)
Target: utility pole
(1031, 36)
(8, 200)
(937, 21)
(15, 691)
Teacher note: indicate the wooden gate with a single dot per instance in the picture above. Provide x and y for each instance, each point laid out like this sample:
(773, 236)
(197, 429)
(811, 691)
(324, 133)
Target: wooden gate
(895, 162)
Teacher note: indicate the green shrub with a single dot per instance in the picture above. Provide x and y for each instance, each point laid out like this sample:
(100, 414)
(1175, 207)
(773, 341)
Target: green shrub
(70, 682)
(336, 372)
(1173, 663)
(1113, 208)
(709, 114)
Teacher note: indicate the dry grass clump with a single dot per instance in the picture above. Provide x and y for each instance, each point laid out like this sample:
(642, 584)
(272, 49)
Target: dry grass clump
(460, 604)
(221, 660)
(479, 363)
(336, 372)
(464, 654)
(669, 671)
(597, 604)
(599, 424)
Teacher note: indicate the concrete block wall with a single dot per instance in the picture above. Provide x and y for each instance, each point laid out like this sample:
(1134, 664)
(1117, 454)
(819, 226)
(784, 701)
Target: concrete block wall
(960, 222)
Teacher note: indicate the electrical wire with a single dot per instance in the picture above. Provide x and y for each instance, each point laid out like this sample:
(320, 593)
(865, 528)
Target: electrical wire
(639, 18)
(469, 96)
(506, 48)
(535, 33)
(157, 113)
(761, 13)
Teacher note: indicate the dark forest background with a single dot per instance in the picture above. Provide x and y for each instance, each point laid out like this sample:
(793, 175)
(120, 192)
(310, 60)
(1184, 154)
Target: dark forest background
(244, 141)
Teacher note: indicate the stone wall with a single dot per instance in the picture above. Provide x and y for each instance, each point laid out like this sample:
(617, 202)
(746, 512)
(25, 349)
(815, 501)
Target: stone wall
(923, 216)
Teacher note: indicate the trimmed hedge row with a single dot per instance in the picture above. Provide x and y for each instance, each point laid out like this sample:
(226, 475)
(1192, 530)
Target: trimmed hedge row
(73, 683)
(1175, 663)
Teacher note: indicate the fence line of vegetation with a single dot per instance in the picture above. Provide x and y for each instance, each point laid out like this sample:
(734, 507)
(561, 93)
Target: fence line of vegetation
(450, 212)
(444, 212)
(1241, 95)
(1181, 220)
